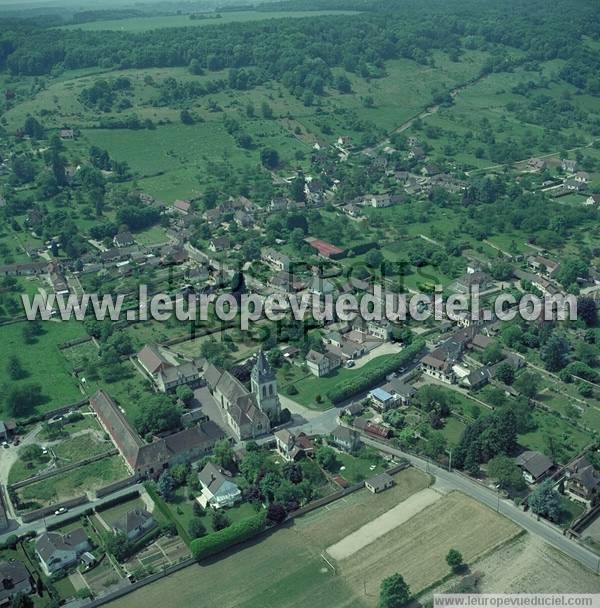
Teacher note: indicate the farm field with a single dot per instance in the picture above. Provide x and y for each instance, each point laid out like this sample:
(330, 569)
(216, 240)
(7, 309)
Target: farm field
(418, 547)
(527, 565)
(143, 24)
(301, 575)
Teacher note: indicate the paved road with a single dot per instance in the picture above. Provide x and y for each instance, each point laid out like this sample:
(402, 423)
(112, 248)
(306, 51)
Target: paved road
(41, 524)
(454, 481)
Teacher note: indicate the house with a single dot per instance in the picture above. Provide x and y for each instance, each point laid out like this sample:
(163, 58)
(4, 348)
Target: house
(314, 191)
(582, 177)
(345, 438)
(135, 523)
(57, 551)
(438, 364)
(220, 243)
(402, 392)
(26, 269)
(372, 428)
(480, 342)
(67, 134)
(582, 479)
(213, 216)
(151, 458)
(275, 259)
(593, 199)
(218, 490)
(544, 265)
(167, 373)
(14, 579)
(325, 249)
(535, 164)
(279, 203)
(322, 364)
(472, 280)
(477, 378)
(381, 400)
(379, 483)
(535, 465)
(182, 206)
(123, 239)
(568, 165)
(354, 409)
(243, 219)
(293, 447)
(7, 429)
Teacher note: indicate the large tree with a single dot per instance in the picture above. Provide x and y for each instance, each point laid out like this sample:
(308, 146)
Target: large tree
(394, 592)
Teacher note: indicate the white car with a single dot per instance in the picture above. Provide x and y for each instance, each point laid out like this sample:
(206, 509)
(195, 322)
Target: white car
(60, 511)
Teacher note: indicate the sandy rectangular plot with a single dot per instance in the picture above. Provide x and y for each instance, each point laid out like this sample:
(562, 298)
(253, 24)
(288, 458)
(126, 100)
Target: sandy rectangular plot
(381, 525)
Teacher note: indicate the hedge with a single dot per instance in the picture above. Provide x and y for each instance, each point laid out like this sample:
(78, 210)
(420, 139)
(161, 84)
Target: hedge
(374, 375)
(228, 537)
(162, 507)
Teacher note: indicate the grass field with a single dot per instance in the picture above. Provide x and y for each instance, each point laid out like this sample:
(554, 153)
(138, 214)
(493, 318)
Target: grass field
(43, 362)
(310, 388)
(76, 482)
(418, 547)
(143, 24)
(283, 570)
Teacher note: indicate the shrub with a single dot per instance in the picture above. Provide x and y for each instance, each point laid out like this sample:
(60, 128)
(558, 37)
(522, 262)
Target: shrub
(367, 379)
(228, 537)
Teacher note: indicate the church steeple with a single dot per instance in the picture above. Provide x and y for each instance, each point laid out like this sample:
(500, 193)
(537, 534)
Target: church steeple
(264, 385)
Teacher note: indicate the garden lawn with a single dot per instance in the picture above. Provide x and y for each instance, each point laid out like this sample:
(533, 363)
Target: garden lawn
(312, 391)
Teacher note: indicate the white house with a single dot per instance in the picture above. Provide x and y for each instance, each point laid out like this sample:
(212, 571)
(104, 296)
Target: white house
(217, 490)
(56, 551)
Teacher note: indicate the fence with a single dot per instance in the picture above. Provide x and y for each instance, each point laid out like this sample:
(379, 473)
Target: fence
(59, 470)
(118, 485)
(67, 504)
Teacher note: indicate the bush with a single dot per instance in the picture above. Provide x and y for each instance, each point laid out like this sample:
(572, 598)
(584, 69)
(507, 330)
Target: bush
(368, 379)
(228, 537)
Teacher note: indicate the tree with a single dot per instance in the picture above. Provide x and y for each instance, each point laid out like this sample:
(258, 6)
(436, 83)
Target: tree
(554, 353)
(506, 473)
(545, 501)
(119, 545)
(185, 393)
(492, 353)
(505, 372)
(22, 600)
(157, 414)
(394, 592)
(186, 117)
(527, 384)
(15, 369)
(454, 559)
(166, 486)
(21, 400)
(33, 128)
(587, 311)
(224, 454)
(31, 452)
(276, 513)
(196, 528)
(220, 520)
(327, 458)
(269, 158)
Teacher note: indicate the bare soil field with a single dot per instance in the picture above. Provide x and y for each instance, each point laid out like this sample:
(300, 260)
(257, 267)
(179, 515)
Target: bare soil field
(417, 549)
(383, 524)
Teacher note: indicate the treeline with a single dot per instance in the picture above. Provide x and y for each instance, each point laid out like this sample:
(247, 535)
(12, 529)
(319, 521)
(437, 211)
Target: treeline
(288, 46)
